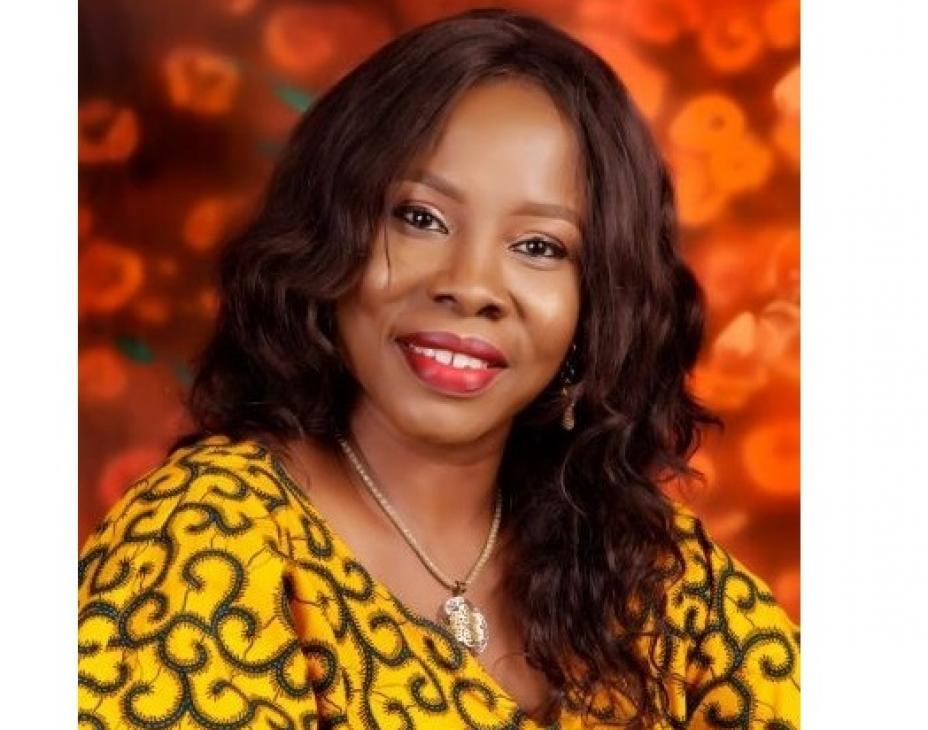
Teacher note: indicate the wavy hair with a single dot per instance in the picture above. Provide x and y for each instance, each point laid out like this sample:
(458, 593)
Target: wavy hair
(596, 545)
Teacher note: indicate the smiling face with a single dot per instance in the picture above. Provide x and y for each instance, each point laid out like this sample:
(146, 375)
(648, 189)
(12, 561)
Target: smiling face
(471, 296)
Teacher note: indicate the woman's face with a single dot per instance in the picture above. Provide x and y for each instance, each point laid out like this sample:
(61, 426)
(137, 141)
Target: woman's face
(471, 296)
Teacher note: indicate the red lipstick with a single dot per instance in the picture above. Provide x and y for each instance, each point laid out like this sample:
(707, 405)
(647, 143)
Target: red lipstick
(452, 364)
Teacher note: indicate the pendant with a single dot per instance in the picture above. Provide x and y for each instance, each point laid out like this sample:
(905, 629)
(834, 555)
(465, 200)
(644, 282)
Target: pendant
(466, 623)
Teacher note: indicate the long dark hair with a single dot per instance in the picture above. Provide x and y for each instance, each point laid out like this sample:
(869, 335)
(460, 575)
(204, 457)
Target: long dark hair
(595, 545)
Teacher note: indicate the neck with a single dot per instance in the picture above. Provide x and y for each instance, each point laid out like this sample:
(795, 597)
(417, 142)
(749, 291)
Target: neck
(439, 488)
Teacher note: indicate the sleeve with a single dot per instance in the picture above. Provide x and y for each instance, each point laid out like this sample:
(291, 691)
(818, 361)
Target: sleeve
(743, 670)
(184, 620)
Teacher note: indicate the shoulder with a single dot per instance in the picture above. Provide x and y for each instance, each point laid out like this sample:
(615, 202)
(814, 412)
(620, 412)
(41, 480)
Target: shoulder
(714, 579)
(215, 489)
(742, 649)
(182, 596)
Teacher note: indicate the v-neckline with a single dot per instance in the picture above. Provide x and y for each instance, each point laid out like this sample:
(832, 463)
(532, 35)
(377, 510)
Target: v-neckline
(344, 550)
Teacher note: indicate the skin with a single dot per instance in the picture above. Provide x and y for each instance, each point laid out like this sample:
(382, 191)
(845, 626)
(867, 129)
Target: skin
(483, 234)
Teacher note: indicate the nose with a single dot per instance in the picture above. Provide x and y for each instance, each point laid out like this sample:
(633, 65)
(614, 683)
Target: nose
(471, 282)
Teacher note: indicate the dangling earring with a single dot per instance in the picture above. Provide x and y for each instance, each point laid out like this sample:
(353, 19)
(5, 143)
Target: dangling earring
(569, 390)
(568, 417)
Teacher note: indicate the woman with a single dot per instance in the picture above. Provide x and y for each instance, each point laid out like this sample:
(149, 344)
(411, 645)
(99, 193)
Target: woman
(447, 378)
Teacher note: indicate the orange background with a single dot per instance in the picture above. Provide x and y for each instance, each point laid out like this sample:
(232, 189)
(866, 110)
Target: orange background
(183, 107)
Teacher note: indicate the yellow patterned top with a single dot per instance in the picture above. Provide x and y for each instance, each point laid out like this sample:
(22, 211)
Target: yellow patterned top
(214, 595)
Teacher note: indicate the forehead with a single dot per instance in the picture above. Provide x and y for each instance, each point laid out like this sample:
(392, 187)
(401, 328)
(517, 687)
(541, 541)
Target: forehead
(508, 137)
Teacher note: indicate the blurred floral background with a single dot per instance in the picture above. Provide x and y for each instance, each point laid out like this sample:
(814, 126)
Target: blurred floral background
(184, 106)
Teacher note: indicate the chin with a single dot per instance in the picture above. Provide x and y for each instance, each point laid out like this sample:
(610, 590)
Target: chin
(449, 426)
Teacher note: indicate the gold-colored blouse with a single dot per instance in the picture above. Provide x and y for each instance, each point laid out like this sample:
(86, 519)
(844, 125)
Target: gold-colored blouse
(214, 595)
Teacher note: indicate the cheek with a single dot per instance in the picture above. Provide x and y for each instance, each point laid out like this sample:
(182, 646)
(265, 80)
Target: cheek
(552, 310)
(364, 315)
(352, 325)
(358, 319)
(390, 274)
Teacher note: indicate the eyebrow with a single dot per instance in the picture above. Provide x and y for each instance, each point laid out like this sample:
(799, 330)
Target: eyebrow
(542, 210)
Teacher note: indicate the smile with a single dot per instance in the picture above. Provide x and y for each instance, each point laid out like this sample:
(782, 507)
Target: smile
(455, 359)
(437, 361)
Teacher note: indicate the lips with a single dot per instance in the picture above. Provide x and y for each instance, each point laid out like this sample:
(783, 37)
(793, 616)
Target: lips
(452, 364)
(472, 346)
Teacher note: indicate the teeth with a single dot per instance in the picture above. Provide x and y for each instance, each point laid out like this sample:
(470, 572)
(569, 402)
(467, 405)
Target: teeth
(454, 359)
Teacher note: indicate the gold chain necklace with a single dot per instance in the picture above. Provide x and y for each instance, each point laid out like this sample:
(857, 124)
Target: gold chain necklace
(465, 621)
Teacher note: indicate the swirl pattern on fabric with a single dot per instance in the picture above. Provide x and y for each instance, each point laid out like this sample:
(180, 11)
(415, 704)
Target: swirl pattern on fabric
(214, 595)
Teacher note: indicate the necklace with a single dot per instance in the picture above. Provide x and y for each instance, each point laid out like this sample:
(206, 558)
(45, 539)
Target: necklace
(465, 621)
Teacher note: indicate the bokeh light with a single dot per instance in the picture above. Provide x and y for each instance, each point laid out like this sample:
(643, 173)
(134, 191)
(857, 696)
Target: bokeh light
(184, 106)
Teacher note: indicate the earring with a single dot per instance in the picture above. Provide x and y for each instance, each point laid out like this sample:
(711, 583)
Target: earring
(568, 417)
(569, 390)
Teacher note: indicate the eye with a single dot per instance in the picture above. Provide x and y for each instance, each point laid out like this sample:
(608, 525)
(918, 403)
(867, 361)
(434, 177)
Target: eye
(419, 218)
(541, 248)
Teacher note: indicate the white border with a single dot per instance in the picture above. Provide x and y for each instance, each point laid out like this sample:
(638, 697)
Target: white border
(865, 363)
(38, 295)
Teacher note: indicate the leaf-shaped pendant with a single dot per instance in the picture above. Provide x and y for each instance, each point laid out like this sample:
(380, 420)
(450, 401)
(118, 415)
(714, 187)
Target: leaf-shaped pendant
(466, 623)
